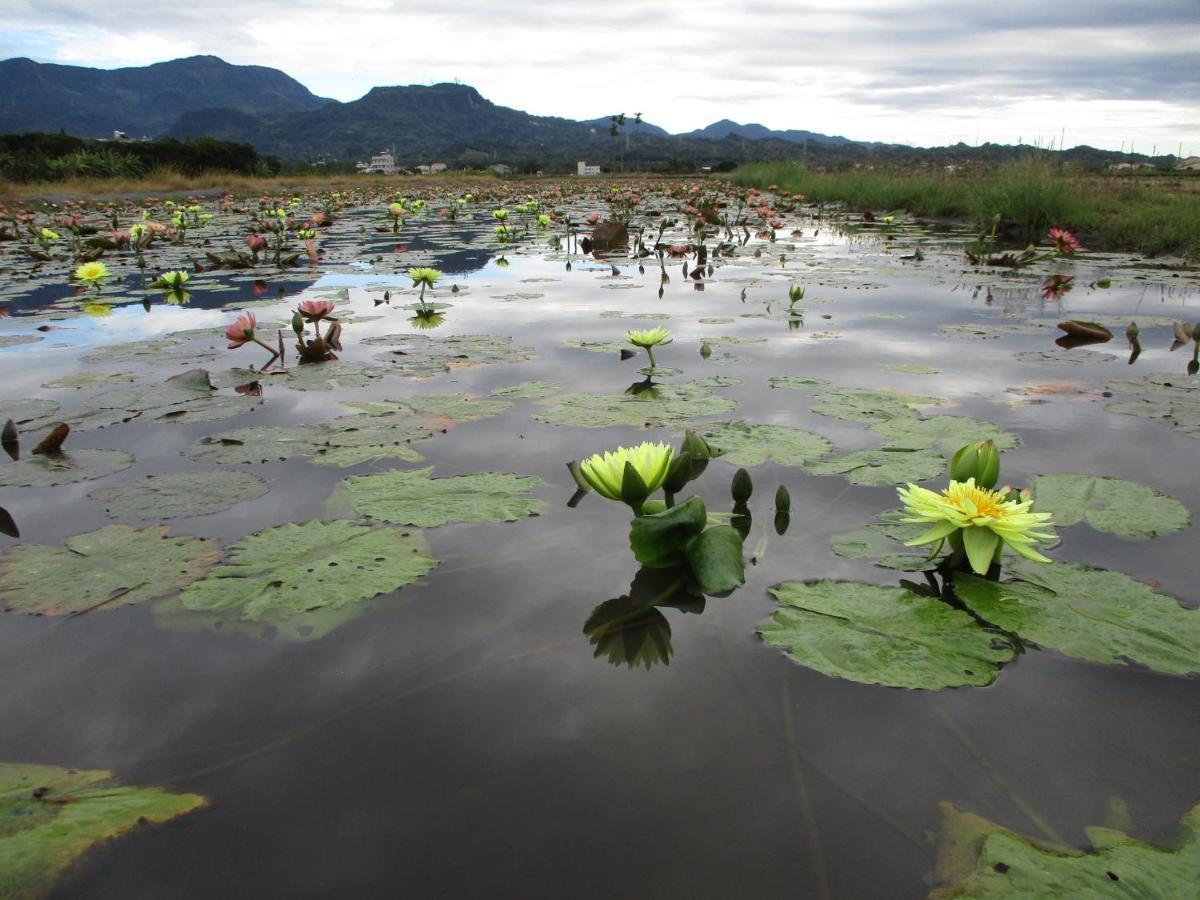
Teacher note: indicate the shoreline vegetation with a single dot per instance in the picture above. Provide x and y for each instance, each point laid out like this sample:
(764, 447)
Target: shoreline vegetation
(1152, 215)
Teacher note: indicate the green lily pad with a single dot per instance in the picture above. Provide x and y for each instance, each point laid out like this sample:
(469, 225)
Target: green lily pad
(189, 396)
(153, 350)
(63, 468)
(882, 542)
(881, 466)
(28, 409)
(1168, 399)
(944, 433)
(797, 382)
(80, 380)
(116, 565)
(1072, 357)
(981, 860)
(660, 540)
(528, 390)
(51, 816)
(863, 405)
(457, 407)
(912, 369)
(661, 405)
(882, 635)
(14, 340)
(597, 346)
(1124, 508)
(715, 559)
(751, 445)
(301, 579)
(421, 355)
(412, 497)
(1090, 614)
(180, 494)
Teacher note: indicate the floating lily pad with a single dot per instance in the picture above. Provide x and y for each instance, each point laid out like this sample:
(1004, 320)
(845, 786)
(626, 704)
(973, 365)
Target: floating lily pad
(797, 382)
(298, 581)
(114, 566)
(1072, 357)
(882, 542)
(64, 468)
(28, 410)
(881, 635)
(660, 405)
(863, 405)
(716, 321)
(455, 407)
(597, 346)
(422, 355)
(881, 466)
(912, 369)
(154, 350)
(1167, 399)
(750, 445)
(528, 390)
(51, 816)
(179, 494)
(412, 497)
(1089, 614)
(15, 340)
(87, 379)
(945, 433)
(981, 860)
(1124, 508)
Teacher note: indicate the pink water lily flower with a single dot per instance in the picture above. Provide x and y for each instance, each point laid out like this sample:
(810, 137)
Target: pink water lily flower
(241, 331)
(1064, 242)
(256, 242)
(315, 310)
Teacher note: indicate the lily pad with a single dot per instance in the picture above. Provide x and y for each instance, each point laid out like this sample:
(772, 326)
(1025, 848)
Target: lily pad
(660, 405)
(863, 405)
(1072, 357)
(88, 379)
(1124, 508)
(52, 816)
(64, 468)
(985, 861)
(421, 355)
(289, 578)
(912, 369)
(797, 382)
(28, 409)
(1089, 614)
(881, 466)
(1162, 398)
(412, 497)
(597, 346)
(15, 340)
(944, 433)
(455, 407)
(528, 390)
(750, 445)
(114, 566)
(882, 542)
(180, 494)
(882, 635)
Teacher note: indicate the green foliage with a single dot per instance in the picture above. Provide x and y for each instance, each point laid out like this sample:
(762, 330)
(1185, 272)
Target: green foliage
(750, 445)
(49, 817)
(412, 497)
(881, 635)
(176, 494)
(1124, 508)
(980, 860)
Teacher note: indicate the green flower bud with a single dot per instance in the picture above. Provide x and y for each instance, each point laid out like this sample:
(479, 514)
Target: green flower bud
(742, 487)
(783, 500)
(795, 292)
(980, 461)
(679, 474)
(705, 350)
(298, 324)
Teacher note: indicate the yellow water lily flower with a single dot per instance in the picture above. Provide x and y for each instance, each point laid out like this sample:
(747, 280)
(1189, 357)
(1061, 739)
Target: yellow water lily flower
(91, 274)
(605, 472)
(986, 519)
(174, 280)
(651, 337)
(424, 276)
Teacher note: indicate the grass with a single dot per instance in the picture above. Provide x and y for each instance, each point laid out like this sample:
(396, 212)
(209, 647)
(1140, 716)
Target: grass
(1151, 216)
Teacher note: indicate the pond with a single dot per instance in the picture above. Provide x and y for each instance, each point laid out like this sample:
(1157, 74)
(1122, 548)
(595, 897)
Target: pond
(349, 627)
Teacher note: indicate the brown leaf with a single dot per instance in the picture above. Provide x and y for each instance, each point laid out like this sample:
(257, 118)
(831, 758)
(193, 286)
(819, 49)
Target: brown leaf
(1090, 330)
(52, 443)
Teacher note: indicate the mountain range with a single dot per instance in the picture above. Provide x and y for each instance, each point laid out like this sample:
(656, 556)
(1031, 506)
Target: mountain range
(204, 96)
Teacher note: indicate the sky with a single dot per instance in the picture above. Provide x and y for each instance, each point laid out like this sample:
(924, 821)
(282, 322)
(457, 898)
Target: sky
(922, 72)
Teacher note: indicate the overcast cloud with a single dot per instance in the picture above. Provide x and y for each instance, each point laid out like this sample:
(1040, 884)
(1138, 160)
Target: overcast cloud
(920, 72)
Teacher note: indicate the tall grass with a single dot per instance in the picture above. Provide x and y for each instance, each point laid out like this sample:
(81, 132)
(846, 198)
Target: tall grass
(1149, 216)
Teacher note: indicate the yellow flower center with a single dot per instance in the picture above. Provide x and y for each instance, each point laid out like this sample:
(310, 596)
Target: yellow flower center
(976, 501)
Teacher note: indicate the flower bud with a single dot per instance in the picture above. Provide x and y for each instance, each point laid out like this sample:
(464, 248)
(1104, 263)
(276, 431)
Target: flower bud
(742, 487)
(298, 324)
(783, 500)
(795, 292)
(580, 481)
(980, 461)
(679, 474)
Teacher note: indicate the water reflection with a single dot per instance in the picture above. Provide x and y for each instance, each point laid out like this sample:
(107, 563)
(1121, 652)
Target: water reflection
(631, 630)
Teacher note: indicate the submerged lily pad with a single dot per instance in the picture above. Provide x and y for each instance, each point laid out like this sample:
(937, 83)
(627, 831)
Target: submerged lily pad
(659, 405)
(881, 466)
(114, 566)
(750, 445)
(51, 816)
(180, 494)
(981, 860)
(288, 579)
(1162, 398)
(64, 468)
(528, 390)
(1089, 614)
(882, 635)
(1113, 505)
(412, 497)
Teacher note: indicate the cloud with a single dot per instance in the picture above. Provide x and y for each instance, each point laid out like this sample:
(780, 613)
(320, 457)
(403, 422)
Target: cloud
(902, 71)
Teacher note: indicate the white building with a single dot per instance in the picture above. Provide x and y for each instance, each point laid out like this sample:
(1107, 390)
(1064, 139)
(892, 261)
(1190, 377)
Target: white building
(582, 168)
(382, 163)
(1190, 163)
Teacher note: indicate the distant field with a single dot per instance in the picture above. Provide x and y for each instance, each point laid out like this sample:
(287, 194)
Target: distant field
(1151, 215)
